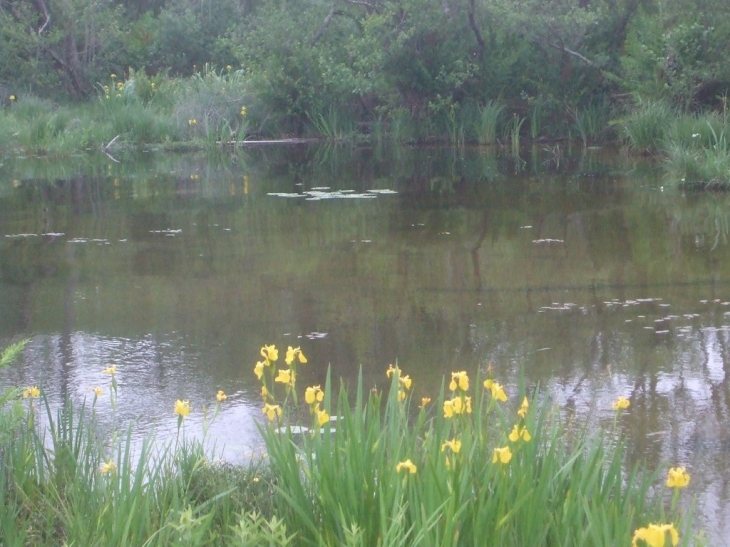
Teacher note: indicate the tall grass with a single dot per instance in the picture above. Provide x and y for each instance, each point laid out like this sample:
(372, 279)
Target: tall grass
(487, 121)
(62, 485)
(645, 130)
(512, 132)
(333, 124)
(590, 122)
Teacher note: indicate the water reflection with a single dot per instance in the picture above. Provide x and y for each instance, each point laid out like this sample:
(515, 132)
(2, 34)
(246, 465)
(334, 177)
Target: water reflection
(584, 275)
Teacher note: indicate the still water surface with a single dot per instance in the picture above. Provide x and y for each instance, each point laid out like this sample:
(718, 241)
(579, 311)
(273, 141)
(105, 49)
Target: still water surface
(580, 272)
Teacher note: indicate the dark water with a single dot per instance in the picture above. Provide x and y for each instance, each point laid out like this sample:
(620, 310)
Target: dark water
(580, 272)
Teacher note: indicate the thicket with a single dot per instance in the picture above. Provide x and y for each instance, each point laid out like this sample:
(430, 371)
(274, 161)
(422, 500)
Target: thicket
(424, 68)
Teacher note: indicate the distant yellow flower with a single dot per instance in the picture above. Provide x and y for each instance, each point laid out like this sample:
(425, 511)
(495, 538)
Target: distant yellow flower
(270, 353)
(454, 445)
(285, 376)
(107, 468)
(112, 75)
(496, 389)
(392, 370)
(406, 381)
(111, 371)
(322, 417)
(622, 403)
(677, 478)
(519, 433)
(407, 465)
(31, 392)
(153, 85)
(291, 353)
(401, 395)
(97, 391)
(502, 455)
(264, 393)
(271, 411)
(522, 412)
(259, 369)
(655, 535)
(120, 85)
(12, 97)
(460, 380)
(243, 111)
(313, 394)
(221, 396)
(228, 67)
(425, 401)
(182, 408)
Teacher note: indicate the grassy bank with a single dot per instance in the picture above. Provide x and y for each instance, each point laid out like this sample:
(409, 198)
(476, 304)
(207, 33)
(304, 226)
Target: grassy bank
(694, 147)
(478, 464)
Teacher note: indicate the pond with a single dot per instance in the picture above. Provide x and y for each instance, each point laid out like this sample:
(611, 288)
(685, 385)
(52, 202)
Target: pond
(576, 270)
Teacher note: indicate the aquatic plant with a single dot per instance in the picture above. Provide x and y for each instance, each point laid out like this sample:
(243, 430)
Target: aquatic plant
(467, 470)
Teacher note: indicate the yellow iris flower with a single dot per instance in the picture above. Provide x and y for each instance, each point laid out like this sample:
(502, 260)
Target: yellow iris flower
(182, 408)
(457, 405)
(221, 396)
(259, 369)
(31, 392)
(406, 381)
(502, 455)
(108, 467)
(407, 465)
(293, 353)
(313, 394)
(622, 403)
(496, 389)
(655, 535)
(111, 371)
(322, 417)
(522, 412)
(270, 353)
(454, 445)
(519, 433)
(425, 401)
(285, 376)
(460, 380)
(677, 478)
(271, 411)
(97, 391)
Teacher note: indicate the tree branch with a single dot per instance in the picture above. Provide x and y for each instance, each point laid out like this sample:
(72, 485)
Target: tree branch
(475, 30)
(43, 8)
(564, 49)
(323, 28)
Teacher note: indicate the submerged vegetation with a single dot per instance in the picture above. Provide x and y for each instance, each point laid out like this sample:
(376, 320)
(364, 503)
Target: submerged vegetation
(462, 467)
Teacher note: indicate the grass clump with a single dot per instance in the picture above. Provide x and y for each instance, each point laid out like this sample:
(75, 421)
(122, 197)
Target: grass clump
(645, 130)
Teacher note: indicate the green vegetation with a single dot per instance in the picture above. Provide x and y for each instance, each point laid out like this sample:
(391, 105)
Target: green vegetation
(467, 468)
(212, 72)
